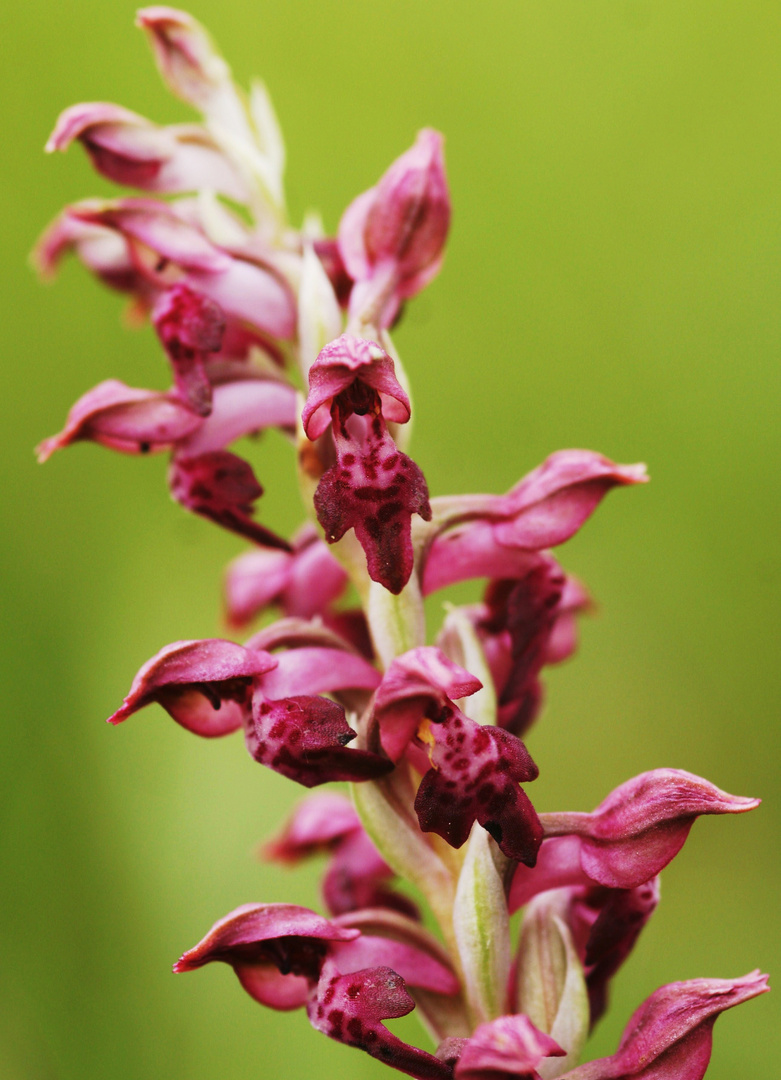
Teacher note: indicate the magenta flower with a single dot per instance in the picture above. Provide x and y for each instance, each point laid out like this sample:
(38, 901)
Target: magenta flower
(130, 150)
(300, 733)
(343, 686)
(671, 1034)
(471, 771)
(632, 835)
(491, 535)
(166, 249)
(303, 582)
(286, 957)
(420, 685)
(373, 488)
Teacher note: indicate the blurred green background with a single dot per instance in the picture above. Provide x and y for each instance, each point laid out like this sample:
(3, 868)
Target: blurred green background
(612, 282)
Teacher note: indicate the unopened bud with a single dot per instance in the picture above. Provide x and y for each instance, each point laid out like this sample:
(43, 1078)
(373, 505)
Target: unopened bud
(551, 988)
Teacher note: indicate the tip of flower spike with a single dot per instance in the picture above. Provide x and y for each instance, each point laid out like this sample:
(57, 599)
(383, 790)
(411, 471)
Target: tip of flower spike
(149, 16)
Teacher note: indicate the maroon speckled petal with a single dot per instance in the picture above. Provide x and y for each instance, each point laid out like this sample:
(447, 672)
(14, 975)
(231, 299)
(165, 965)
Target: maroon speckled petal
(351, 1008)
(305, 738)
(190, 326)
(222, 487)
(374, 489)
(614, 918)
(475, 775)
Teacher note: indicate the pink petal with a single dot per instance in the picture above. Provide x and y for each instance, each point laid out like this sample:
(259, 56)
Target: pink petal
(317, 670)
(204, 685)
(507, 1047)
(557, 866)
(550, 504)
(415, 966)
(669, 1037)
(130, 150)
(340, 364)
(244, 289)
(421, 683)
(125, 419)
(243, 408)
(317, 821)
(277, 950)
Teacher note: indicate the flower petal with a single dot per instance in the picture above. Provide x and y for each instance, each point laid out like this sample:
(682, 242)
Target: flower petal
(475, 775)
(421, 683)
(670, 1035)
(643, 824)
(305, 738)
(222, 487)
(204, 685)
(508, 1047)
(125, 419)
(350, 1009)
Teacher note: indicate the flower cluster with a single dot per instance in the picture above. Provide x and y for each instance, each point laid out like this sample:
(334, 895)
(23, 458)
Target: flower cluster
(265, 326)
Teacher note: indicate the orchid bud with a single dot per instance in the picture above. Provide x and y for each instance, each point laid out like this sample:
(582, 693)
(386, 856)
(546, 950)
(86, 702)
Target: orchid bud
(192, 67)
(550, 985)
(392, 237)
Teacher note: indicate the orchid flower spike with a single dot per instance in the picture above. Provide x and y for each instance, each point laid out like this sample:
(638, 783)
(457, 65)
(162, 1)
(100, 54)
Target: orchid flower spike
(265, 327)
